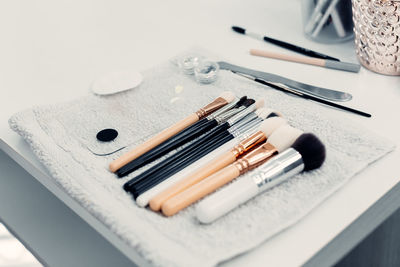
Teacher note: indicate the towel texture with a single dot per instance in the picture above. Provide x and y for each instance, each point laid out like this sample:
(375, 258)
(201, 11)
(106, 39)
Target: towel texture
(63, 136)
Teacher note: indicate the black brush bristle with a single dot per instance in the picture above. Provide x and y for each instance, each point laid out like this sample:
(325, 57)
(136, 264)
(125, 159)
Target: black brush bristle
(249, 102)
(238, 29)
(312, 151)
(273, 114)
(240, 102)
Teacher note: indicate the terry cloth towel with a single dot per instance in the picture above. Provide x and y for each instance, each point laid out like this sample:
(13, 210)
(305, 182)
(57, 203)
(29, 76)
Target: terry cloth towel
(63, 137)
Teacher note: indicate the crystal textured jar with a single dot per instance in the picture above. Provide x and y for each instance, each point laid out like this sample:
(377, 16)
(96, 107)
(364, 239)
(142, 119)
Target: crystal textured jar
(377, 34)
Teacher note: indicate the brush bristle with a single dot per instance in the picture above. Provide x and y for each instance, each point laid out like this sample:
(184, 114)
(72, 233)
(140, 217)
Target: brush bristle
(312, 151)
(284, 137)
(259, 103)
(263, 113)
(270, 125)
(274, 114)
(248, 102)
(238, 29)
(240, 102)
(228, 96)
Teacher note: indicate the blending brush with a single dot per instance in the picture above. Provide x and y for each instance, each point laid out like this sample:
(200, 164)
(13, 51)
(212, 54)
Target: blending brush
(278, 141)
(222, 100)
(307, 153)
(170, 165)
(174, 143)
(181, 138)
(265, 129)
(143, 199)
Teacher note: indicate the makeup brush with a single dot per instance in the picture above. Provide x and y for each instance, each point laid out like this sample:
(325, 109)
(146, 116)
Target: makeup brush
(306, 154)
(222, 100)
(265, 129)
(283, 44)
(168, 146)
(189, 149)
(278, 141)
(143, 199)
(325, 63)
(240, 122)
(181, 138)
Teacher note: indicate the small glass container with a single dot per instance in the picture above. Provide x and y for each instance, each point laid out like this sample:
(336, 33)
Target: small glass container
(206, 72)
(188, 63)
(327, 21)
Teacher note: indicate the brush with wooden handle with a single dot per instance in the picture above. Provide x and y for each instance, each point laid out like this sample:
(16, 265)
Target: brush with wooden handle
(325, 63)
(222, 100)
(265, 129)
(279, 140)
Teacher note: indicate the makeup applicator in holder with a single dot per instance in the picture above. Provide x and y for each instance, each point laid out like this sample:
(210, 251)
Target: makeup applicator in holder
(143, 199)
(180, 139)
(280, 139)
(202, 145)
(265, 129)
(196, 132)
(222, 100)
(306, 154)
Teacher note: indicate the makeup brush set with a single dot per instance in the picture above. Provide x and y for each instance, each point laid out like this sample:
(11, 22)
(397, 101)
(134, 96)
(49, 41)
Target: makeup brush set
(219, 157)
(216, 144)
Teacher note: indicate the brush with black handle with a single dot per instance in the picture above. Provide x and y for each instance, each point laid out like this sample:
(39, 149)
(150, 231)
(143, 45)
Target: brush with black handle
(177, 141)
(187, 154)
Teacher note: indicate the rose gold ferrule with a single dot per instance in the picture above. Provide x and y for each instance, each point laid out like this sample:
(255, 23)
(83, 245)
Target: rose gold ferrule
(249, 143)
(210, 108)
(255, 158)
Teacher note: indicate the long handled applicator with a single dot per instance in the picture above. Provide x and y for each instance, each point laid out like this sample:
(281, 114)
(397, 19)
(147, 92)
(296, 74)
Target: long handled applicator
(189, 154)
(265, 129)
(279, 140)
(222, 100)
(306, 154)
(143, 199)
(174, 143)
(181, 138)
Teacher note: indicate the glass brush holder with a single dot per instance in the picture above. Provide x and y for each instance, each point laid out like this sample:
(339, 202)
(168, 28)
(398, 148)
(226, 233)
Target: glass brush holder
(327, 21)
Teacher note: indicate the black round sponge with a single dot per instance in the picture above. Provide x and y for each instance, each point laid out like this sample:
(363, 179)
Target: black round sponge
(311, 149)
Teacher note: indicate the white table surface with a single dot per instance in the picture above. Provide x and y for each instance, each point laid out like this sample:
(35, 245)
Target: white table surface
(51, 51)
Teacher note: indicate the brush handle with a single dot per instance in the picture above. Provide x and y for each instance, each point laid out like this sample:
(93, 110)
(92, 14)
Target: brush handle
(144, 199)
(182, 153)
(153, 142)
(226, 199)
(298, 49)
(180, 164)
(199, 190)
(172, 143)
(214, 166)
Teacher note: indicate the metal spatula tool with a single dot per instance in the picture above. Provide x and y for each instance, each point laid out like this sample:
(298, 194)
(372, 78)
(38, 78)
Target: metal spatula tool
(324, 93)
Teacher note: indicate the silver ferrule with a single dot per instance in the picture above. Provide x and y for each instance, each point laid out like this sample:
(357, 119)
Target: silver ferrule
(244, 121)
(255, 35)
(242, 114)
(228, 114)
(251, 126)
(278, 169)
(223, 109)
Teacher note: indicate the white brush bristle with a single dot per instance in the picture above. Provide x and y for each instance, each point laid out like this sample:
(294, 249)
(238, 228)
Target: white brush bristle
(228, 96)
(259, 103)
(263, 113)
(283, 137)
(270, 125)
